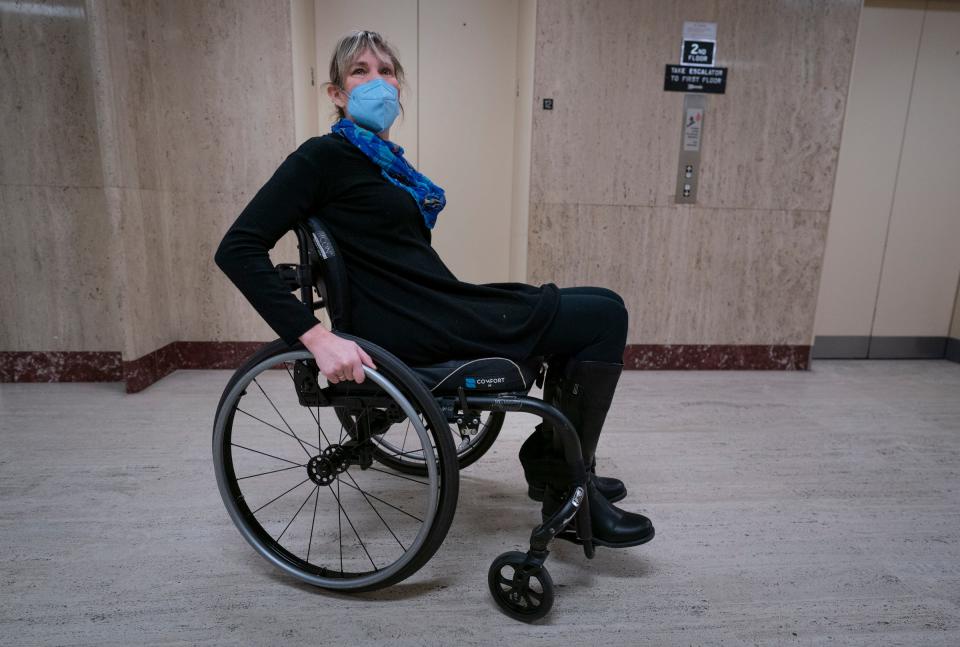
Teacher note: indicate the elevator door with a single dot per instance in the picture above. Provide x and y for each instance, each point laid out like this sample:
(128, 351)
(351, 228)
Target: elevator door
(892, 264)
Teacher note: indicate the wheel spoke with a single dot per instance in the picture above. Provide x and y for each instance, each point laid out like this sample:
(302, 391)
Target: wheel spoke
(276, 427)
(339, 526)
(406, 431)
(316, 500)
(302, 446)
(256, 451)
(412, 456)
(352, 527)
(297, 513)
(406, 478)
(373, 496)
(282, 469)
(364, 494)
(285, 493)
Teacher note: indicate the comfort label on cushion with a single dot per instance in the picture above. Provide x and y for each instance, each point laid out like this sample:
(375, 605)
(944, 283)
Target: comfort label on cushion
(484, 382)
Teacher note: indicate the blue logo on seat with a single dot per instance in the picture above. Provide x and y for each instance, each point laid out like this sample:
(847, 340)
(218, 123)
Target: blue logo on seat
(471, 382)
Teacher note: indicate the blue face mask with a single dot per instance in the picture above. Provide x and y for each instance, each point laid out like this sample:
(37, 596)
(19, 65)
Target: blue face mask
(374, 105)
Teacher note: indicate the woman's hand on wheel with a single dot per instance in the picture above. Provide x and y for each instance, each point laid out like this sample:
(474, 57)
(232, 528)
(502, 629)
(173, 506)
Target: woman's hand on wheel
(337, 358)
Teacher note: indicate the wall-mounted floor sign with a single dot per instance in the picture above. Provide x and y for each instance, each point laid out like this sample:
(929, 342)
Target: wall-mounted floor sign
(698, 54)
(699, 44)
(687, 78)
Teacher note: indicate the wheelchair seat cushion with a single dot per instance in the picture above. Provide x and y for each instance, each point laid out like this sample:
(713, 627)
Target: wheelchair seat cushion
(490, 374)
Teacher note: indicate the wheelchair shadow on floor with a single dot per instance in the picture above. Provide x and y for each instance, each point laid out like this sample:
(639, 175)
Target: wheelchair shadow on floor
(407, 590)
(497, 514)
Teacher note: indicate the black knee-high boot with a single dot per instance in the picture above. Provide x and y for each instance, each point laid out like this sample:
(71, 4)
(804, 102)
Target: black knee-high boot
(585, 396)
(541, 445)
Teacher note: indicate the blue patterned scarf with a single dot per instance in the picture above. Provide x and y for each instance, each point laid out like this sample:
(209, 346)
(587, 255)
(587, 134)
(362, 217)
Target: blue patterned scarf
(389, 157)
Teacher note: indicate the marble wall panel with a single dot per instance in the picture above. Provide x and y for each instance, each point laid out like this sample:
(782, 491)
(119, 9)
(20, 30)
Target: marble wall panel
(135, 133)
(613, 136)
(204, 304)
(124, 92)
(742, 266)
(196, 107)
(49, 134)
(58, 291)
(689, 275)
(222, 80)
(222, 131)
(199, 91)
(142, 268)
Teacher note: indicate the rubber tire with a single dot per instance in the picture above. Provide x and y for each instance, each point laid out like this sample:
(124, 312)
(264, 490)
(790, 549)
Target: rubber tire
(515, 559)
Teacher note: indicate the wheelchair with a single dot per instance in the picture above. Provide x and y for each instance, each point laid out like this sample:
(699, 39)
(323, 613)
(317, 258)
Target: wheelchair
(353, 487)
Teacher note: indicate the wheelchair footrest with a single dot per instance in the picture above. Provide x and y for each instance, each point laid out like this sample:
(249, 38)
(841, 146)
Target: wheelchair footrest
(569, 534)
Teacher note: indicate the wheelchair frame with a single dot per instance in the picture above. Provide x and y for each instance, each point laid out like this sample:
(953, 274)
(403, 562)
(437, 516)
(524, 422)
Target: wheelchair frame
(321, 269)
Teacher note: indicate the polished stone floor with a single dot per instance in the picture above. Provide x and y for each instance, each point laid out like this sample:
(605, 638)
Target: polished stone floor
(807, 508)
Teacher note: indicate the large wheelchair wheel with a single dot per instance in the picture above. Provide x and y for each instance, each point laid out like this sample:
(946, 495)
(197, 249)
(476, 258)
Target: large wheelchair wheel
(318, 500)
(393, 448)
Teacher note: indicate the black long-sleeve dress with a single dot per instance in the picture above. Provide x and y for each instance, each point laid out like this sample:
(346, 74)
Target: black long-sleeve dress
(402, 296)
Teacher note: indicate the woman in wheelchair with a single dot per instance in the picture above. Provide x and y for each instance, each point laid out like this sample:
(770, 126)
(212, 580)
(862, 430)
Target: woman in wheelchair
(379, 211)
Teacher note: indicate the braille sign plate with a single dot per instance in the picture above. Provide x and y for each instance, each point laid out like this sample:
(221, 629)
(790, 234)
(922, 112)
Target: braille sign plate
(688, 78)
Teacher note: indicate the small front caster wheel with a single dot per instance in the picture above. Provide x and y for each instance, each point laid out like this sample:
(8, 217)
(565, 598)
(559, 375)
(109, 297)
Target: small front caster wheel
(524, 592)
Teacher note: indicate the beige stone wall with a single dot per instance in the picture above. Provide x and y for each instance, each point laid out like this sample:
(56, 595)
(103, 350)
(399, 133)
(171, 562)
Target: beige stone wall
(196, 112)
(741, 266)
(151, 124)
(139, 132)
(57, 291)
(174, 113)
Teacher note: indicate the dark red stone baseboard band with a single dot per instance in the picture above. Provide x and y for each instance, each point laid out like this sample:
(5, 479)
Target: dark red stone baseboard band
(107, 366)
(689, 357)
(60, 366)
(144, 371)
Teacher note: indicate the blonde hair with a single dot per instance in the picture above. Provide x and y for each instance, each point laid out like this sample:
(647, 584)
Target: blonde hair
(350, 47)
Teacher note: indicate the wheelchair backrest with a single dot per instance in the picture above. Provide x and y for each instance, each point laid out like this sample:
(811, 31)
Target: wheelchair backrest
(328, 271)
